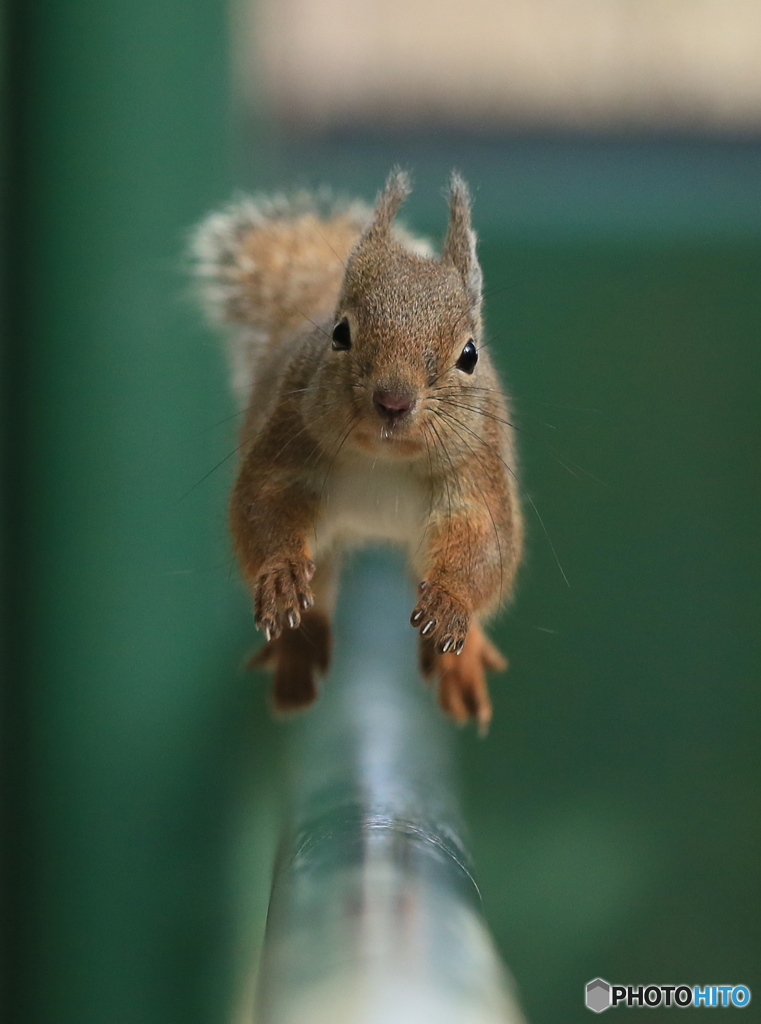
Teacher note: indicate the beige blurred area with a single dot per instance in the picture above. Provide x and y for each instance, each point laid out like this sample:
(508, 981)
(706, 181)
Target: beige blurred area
(318, 64)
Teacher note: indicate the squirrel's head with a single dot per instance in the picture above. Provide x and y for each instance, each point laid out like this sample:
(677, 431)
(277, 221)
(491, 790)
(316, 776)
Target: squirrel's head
(407, 328)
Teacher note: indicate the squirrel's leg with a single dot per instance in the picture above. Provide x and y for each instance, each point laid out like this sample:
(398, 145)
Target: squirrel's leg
(271, 519)
(272, 516)
(298, 655)
(467, 567)
(463, 691)
(465, 570)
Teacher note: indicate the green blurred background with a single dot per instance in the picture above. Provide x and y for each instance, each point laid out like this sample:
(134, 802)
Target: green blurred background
(614, 808)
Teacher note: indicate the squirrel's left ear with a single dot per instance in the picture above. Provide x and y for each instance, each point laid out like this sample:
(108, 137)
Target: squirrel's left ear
(460, 243)
(395, 191)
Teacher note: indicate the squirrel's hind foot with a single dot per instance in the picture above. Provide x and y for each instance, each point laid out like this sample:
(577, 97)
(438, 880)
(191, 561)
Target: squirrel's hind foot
(297, 656)
(463, 690)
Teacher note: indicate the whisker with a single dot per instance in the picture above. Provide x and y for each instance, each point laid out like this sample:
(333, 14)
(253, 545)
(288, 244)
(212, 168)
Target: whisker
(352, 423)
(565, 461)
(524, 493)
(446, 483)
(322, 236)
(213, 426)
(458, 391)
(572, 408)
(491, 516)
(500, 419)
(312, 322)
(213, 470)
(430, 487)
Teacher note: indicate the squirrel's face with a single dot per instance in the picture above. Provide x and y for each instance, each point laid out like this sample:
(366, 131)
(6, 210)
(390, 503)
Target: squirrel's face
(404, 350)
(404, 366)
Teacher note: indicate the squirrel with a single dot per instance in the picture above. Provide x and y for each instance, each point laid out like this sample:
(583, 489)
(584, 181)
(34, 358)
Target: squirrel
(372, 412)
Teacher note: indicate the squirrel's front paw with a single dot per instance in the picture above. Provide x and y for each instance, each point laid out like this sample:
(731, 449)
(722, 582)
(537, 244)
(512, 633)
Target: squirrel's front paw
(281, 592)
(441, 618)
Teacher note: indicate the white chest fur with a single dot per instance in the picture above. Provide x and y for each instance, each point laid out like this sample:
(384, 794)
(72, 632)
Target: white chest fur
(366, 500)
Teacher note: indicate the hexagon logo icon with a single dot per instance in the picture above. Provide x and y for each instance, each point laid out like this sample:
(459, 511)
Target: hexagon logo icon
(597, 995)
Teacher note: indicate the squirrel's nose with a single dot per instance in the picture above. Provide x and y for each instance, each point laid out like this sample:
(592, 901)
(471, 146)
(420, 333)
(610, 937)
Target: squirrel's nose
(393, 405)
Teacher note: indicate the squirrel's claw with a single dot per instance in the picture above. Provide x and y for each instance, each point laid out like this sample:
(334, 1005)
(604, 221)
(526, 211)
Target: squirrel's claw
(446, 643)
(281, 594)
(441, 618)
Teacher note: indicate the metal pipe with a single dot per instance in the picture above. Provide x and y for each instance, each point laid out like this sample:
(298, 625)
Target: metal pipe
(374, 915)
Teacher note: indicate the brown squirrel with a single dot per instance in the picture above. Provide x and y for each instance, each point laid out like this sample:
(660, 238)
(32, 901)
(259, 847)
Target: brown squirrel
(372, 413)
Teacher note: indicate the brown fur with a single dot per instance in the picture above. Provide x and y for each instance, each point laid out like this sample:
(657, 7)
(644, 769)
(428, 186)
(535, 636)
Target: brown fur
(314, 432)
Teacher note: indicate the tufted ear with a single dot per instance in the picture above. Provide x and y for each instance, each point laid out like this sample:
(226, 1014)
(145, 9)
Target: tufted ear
(395, 191)
(460, 243)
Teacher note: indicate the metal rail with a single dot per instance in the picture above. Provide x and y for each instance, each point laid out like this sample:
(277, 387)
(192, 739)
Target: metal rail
(374, 915)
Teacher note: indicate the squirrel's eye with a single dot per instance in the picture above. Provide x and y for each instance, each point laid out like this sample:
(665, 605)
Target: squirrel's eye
(341, 335)
(468, 358)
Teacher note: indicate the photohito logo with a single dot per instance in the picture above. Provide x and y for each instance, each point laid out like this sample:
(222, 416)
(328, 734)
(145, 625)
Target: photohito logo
(600, 995)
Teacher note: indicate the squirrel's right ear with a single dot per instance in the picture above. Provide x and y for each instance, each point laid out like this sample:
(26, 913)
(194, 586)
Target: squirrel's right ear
(460, 243)
(395, 191)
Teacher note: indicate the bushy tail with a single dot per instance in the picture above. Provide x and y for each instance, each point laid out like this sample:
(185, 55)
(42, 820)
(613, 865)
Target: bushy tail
(271, 267)
(269, 263)
(268, 268)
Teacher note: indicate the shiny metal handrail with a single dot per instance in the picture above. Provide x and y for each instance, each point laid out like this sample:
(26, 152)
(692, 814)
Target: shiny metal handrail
(374, 915)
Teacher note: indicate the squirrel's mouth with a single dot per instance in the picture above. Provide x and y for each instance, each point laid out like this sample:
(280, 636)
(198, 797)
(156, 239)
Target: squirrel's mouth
(395, 438)
(390, 424)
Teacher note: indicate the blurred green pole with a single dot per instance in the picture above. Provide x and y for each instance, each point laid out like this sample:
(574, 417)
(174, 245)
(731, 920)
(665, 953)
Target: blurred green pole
(118, 140)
